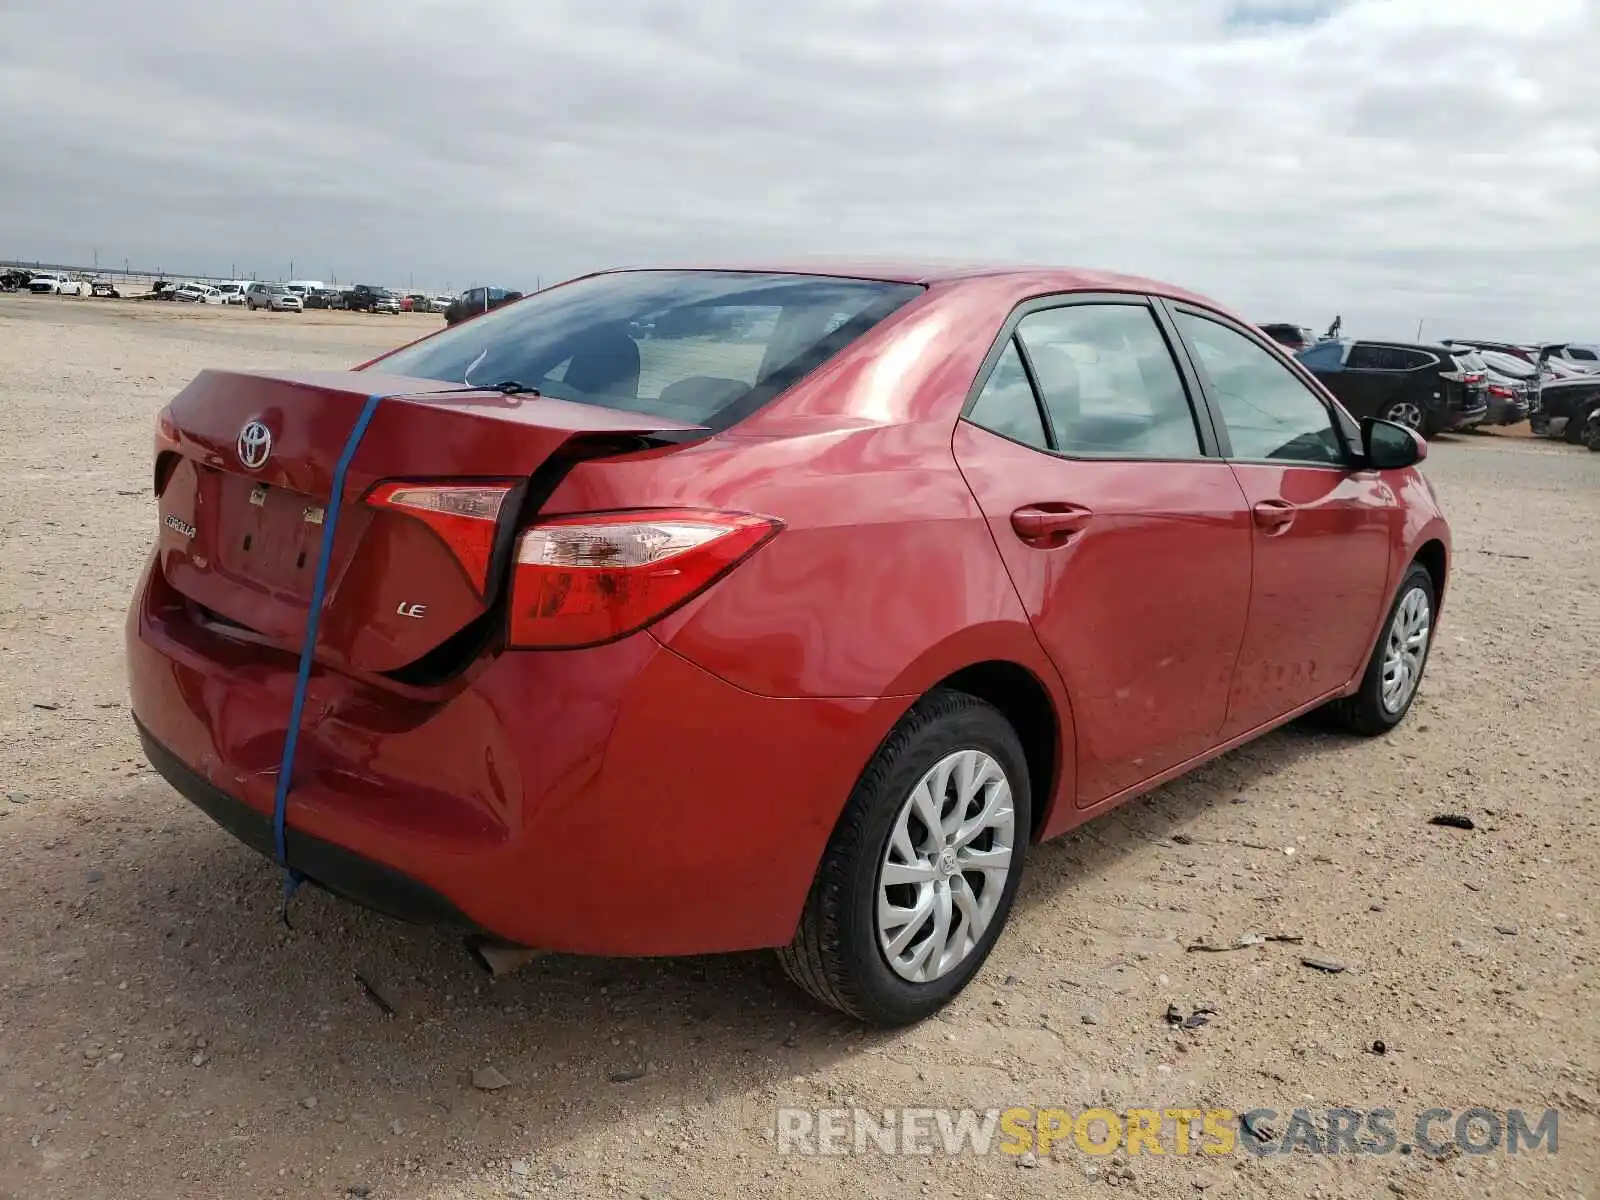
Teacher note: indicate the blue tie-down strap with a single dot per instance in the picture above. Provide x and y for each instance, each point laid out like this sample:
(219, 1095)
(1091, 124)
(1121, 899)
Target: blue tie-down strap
(319, 587)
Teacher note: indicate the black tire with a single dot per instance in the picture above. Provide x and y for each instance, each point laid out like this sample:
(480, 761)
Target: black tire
(835, 954)
(1364, 712)
(1576, 424)
(1591, 434)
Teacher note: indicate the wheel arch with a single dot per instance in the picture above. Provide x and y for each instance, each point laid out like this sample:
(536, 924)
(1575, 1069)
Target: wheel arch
(1433, 556)
(1025, 701)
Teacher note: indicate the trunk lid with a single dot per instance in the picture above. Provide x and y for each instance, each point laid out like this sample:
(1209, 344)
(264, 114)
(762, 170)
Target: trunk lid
(242, 515)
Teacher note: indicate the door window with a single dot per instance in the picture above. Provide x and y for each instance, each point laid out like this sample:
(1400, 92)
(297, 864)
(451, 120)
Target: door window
(1007, 405)
(1270, 415)
(1108, 382)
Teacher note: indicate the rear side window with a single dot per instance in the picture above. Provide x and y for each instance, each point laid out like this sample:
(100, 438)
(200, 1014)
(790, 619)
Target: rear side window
(1007, 404)
(1108, 382)
(1582, 354)
(1366, 357)
(706, 347)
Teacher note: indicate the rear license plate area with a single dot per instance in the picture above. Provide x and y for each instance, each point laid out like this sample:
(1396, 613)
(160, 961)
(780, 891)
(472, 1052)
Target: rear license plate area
(269, 536)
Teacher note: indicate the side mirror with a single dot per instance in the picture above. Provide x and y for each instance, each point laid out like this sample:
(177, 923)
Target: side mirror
(1390, 446)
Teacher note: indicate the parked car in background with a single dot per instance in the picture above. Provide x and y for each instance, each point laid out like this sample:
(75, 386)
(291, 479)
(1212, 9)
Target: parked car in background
(1575, 354)
(233, 291)
(1564, 406)
(14, 279)
(1507, 400)
(1513, 387)
(51, 283)
(613, 718)
(1425, 387)
(1295, 337)
(367, 297)
(474, 301)
(1515, 350)
(323, 298)
(104, 289)
(196, 293)
(274, 297)
(300, 287)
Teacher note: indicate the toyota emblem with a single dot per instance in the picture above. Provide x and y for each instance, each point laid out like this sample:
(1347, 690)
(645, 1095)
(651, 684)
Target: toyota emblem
(255, 443)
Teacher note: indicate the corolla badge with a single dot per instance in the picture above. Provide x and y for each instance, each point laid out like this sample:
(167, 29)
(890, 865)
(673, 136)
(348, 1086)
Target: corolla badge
(255, 443)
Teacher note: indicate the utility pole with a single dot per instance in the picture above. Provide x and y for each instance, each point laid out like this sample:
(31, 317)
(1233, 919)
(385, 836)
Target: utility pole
(291, 268)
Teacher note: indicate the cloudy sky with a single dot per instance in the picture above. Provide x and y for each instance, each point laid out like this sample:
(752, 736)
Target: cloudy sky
(1392, 160)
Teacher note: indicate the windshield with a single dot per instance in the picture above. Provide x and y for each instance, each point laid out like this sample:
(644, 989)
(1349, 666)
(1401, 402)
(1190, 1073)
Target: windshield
(699, 346)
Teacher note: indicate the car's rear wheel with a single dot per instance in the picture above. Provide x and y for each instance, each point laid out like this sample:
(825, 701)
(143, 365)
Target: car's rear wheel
(920, 874)
(1394, 672)
(1405, 412)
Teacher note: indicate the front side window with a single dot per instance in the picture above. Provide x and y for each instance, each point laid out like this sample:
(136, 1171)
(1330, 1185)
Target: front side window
(1108, 382)
(1270, 415)
(699, 346)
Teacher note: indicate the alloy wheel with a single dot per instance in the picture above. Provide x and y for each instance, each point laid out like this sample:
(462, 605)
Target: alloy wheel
(1406, 412)
(945, 867)
(1406, 649)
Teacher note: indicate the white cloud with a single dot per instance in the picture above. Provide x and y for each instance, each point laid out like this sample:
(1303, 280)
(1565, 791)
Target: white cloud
(1387, 159)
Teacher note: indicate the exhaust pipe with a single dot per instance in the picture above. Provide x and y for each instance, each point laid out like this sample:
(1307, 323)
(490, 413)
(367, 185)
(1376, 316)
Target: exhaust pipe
(498, 958)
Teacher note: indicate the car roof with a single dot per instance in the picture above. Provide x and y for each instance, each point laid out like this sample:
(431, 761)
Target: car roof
(932, 272)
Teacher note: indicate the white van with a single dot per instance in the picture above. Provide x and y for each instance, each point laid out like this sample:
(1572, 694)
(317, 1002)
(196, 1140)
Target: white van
(301, 286)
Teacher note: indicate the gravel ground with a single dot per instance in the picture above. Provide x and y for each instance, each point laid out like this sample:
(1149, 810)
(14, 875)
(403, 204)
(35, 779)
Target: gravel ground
(163, 1035)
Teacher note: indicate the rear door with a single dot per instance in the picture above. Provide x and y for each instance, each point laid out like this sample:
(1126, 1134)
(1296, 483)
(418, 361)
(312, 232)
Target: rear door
(1126, 535)
(1322, 529)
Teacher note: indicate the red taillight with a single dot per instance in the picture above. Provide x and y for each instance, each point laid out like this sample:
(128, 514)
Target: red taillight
(464, 515)
(1472, 377)
(1500, 389)
(578, 581)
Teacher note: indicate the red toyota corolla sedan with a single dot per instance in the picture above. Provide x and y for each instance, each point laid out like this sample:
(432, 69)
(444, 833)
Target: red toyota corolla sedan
(668, 612)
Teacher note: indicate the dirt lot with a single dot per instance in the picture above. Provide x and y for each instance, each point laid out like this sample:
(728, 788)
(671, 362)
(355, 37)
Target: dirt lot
(162, 1035)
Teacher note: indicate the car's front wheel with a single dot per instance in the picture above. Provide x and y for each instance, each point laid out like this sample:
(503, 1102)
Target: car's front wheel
(1394, 672)
(920, 874)
(1578, 424)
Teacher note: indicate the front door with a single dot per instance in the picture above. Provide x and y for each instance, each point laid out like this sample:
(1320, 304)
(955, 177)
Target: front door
(1322, 529)
(1126, 535)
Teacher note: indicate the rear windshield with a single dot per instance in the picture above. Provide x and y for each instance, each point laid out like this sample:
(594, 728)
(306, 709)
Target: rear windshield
(703, 347)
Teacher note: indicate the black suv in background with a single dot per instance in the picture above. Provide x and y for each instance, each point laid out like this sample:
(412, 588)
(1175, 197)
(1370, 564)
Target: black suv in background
(477, 300)
(366, 297)
(1428, 387)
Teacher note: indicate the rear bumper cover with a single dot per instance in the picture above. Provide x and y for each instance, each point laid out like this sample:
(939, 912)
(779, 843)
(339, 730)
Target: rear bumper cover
(331, 867)
(619, 800)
